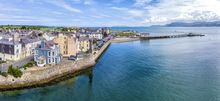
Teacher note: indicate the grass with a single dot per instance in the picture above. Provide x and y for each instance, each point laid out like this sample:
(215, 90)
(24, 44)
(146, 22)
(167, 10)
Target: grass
(44, 28)
(30, 64)
(126, 34)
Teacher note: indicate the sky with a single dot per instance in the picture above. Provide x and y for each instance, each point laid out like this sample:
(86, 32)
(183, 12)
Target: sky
(98, 13)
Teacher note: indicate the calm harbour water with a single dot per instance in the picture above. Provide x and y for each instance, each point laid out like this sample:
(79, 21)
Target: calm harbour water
(181, 69)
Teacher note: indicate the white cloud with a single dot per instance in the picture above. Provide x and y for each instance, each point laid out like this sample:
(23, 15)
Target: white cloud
(99, 16)
(64, 5)
(119, 8)
(183, 10)
(156, 19)
(127, 12)
(142, 2)
(88, 2)
(136, 13)
(130, 12)
(85, 2)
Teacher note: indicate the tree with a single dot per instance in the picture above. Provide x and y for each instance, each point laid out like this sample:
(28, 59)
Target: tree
(23, 27)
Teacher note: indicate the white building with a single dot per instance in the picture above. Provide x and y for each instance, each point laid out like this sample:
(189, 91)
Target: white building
(94, 35)
(10, 50)
(28, 46)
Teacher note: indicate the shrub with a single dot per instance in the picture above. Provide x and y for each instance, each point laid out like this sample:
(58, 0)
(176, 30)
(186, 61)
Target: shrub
(30, 64)
(4, 74)
(14, 71)
(2, 62)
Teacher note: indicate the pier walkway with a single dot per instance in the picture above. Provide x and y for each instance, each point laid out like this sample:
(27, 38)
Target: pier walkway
(147, 37)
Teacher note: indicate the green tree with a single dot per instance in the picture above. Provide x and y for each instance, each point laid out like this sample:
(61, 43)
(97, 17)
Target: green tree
(23, 27)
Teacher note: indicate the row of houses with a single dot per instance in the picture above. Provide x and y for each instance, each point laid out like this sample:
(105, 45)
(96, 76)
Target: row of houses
(47, 47)
(13, 49)
(63, 45)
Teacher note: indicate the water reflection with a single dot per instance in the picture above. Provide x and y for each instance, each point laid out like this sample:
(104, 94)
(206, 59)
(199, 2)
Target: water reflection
(68, 83)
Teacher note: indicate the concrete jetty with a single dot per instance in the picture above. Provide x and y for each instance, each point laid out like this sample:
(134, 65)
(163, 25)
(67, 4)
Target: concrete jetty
(147, 37)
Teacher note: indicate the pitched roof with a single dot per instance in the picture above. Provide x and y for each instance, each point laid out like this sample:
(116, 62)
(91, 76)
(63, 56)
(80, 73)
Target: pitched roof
(46, 45)
(84, 38)
(8, 42)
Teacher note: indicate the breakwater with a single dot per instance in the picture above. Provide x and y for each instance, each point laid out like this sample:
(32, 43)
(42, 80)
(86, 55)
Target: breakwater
(147, 37)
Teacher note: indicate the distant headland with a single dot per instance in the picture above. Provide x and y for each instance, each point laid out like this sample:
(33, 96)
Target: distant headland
(192, 24)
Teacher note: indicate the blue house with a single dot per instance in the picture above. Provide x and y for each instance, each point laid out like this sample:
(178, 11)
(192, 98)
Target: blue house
(47, 53)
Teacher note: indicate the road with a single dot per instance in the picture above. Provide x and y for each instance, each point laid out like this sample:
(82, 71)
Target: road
(19, 63)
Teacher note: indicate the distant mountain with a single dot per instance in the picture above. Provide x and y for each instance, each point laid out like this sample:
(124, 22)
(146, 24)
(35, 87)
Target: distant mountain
(194, 24)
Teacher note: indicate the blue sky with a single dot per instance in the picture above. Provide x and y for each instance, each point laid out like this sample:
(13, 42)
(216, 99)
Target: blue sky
(106, 12)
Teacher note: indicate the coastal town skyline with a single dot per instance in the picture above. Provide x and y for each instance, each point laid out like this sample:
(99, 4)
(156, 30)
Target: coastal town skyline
(109, 50)
(106, 12)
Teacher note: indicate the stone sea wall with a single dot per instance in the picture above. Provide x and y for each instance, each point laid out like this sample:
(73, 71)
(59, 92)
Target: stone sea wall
(36, 76)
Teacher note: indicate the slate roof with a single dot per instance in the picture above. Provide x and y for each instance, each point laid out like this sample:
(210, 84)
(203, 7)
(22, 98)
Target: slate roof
(7, 42)
(84, 38)
(47, 45)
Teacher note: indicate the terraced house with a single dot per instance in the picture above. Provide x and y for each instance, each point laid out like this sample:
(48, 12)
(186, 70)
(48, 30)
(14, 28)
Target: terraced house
(85, 44)
(68, 44)
(10, 50)
(28, 46)
(47, 53)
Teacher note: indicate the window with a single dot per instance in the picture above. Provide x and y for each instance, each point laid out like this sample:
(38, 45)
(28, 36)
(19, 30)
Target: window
(17, 51)
(49, 53)
(53, 53)
(65, 47)
(49, 61)
(53, 60)
(41, 61)
(35, 52)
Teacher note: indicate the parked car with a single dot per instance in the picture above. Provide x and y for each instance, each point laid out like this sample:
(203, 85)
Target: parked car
(80, 56)
(72, 58)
